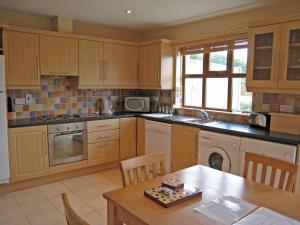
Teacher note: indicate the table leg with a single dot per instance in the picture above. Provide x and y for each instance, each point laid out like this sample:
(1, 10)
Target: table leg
(111, 214)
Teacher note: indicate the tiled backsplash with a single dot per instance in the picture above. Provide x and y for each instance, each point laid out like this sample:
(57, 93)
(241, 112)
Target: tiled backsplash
(265, 102)
(60, 95)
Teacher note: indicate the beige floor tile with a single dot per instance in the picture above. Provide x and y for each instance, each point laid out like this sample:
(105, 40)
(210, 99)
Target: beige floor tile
(52, 189)
(58, 204)
(37, 206)
(112, 174)
(11, 214)
(95, 178)
(97, 204)
(94, 218)
(51, 217)
(108, 186)
(7, 202)
(75, 184)
(103, 212)
(89, 193)
(20, 222)
(28, 195)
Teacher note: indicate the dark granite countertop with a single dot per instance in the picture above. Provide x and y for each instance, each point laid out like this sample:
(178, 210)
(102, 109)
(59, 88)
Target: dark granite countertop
(215, 126)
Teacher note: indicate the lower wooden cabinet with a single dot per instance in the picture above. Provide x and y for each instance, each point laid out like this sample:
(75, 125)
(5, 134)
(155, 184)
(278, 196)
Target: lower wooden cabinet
(28, 152)
(140, 136)
(103, 152)
(184, 146)
(127, 138)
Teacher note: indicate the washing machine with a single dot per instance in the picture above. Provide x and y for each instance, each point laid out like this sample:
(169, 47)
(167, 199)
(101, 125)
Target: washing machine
(219, 151)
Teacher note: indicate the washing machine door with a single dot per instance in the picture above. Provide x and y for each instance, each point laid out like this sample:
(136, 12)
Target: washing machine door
(218, 158)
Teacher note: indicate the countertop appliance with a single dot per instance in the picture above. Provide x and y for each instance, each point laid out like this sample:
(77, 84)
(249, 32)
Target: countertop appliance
(260, 120)
(67, 143)
(137, 104)
(275, 150)
(158, 138)
(4, 160)
(219, 151)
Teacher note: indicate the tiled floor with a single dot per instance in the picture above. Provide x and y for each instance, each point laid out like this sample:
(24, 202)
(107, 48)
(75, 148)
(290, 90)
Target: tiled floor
(42, 205)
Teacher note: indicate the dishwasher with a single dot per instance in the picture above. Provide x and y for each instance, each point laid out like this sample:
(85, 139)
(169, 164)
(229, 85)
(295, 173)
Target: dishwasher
(158, 138)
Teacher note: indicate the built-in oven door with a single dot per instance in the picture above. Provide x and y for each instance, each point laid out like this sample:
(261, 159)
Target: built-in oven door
(67, 147)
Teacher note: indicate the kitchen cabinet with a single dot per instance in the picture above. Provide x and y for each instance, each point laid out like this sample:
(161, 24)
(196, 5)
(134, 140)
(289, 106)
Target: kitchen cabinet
(28, 152)
(127, 138)
(184, 146)
(264, 47)
(120, 65)
(91, 64)
(21, 51)
(140, 136)
(103, 141)
(156, 66)
(59, 56)
(274, 58)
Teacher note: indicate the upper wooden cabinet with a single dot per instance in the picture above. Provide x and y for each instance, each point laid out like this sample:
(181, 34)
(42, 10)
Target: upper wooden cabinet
(91, 64)
(156, 66)
(120, 65)
(274, 58)
(22, 60)
(184, 146)
(289, 72)
(127, 138)
(59, 55)
(28, 152)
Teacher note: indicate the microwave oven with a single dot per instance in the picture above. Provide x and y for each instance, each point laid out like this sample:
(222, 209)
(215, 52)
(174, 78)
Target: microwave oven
(137, 104)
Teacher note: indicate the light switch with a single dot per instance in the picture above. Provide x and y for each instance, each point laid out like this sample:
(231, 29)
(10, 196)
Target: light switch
(28, 98)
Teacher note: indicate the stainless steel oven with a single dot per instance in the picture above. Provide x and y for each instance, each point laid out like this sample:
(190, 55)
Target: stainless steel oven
(67, 143)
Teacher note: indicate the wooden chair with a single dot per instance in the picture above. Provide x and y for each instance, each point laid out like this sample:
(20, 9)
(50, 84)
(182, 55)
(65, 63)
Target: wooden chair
(287, 170)
(71, 216)
(142, 168)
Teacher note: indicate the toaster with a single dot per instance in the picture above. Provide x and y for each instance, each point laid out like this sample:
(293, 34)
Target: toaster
(260, 119)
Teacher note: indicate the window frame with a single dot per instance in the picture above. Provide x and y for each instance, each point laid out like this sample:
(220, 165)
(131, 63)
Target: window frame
(212, 74)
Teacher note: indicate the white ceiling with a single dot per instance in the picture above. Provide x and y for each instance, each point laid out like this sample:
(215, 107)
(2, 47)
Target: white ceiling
(147, 14)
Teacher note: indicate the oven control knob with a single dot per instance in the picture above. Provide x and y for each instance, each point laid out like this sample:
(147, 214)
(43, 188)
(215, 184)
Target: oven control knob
(57, 129)
(76, 127)
(68, 128)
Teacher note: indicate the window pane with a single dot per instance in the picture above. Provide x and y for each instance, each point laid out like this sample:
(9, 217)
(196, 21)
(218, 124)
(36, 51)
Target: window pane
(240, 60)
(193, 92)
(218, 61)
(194, 64)
(241, 99)
(216, 93)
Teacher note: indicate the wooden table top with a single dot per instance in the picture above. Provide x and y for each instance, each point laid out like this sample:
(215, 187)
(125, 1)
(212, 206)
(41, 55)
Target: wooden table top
(214, 184)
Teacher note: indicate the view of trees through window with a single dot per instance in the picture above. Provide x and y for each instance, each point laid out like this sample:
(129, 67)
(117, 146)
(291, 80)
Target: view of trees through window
(215, 77)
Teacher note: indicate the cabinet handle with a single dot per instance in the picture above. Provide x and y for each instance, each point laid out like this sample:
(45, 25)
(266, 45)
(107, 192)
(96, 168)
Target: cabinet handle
(104, 137)
(60, 73)
(37, 66)
(106, 125)
(105, 69)
(137, 74)
(105, 145)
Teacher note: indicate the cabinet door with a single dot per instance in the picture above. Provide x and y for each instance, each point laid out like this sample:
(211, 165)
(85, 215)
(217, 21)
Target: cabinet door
(28, 152)
(127, 138)
(184, 147)
(289, 76)
(22, 60)
(149, 66)
(140, 134)
(121, 65)
(59, 56)
(103, 152)
(91, 64)
(264, 49)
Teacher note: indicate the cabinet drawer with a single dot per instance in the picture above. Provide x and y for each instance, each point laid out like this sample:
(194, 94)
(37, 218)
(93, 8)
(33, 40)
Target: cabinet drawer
(102, 125)
(104, 152)
(106, 135)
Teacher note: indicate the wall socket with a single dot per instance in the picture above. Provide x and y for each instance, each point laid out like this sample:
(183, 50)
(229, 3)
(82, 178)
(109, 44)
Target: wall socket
(28, 98)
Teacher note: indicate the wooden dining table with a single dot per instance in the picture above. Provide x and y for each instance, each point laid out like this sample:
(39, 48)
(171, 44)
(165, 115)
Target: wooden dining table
(129, 205)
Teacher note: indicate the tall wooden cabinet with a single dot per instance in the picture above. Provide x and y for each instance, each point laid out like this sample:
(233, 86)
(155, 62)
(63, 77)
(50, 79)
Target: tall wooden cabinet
(156, 66)
(121, 65)
(21, 51)
(91, 64)
(127, 138)
(59, 55)
(274, 58)
(28, 152)
(184, 146)
(140, 136)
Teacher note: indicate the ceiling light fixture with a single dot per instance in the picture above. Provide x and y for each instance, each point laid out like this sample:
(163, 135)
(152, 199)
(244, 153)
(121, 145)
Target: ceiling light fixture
(128, 11)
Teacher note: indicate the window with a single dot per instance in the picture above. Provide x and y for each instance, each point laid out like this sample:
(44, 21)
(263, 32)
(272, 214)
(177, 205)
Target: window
(214, 76)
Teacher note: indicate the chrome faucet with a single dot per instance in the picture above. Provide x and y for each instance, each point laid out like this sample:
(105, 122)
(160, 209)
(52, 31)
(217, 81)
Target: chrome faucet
(204, 114)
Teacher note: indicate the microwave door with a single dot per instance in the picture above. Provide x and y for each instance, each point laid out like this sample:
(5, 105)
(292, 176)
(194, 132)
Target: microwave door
(135, 104)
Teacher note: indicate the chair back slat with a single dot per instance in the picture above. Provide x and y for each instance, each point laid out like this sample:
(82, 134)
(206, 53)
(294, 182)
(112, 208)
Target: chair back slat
(71, 216)
(287, 170)
(142, 168)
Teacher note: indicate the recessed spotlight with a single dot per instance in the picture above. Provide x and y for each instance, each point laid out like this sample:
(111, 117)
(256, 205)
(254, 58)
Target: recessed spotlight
(128, 11)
